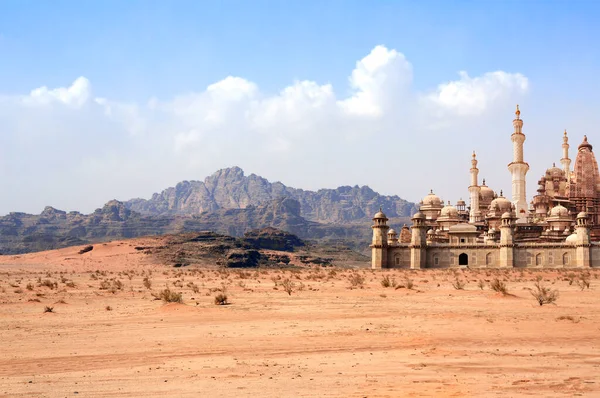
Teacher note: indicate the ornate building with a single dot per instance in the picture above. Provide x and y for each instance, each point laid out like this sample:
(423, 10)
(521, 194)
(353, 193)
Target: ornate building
(559, 228)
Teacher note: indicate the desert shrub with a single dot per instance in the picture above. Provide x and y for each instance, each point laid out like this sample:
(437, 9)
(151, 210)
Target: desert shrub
(481, 284)
(584, 282)
(169, 296)
(194, 287)
(48, 309)
(221, 299)
(147, 283)
(571, 278)
(386, 281)
(544, 295)
(48, 283)
(458, 284)
(356, 280)
(568, 318)
(409, 283)
(108, 308)
(70, 284)
(498, 286)
(288, 286)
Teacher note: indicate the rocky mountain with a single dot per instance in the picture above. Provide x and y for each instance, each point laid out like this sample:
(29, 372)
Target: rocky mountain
(231, 189)
(52, 229)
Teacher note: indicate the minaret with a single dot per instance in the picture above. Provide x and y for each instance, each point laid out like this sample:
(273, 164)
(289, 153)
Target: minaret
(379, 245)
(565, 161)
(418, 242)
(518, 169)
(474, 189)
(506, 241)
(582, 244)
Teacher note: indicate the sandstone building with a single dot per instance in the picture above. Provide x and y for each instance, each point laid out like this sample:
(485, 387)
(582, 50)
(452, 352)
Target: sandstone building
(559, 228)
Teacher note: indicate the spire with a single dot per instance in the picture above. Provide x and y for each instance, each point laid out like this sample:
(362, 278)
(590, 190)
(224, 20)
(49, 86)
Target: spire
(565, 161)
(484, 181)
(518, 113)
(585, 144)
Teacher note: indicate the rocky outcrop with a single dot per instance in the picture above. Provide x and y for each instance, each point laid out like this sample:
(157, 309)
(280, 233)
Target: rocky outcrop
(231, 189)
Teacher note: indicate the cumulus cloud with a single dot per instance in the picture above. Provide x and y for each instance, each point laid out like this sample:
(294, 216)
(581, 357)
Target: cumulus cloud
(84, 150)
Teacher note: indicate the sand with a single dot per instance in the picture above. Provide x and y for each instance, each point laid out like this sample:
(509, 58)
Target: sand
(327, 339)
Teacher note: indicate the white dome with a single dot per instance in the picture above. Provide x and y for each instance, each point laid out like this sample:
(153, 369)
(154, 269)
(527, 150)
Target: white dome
(392, 232)
(449, 211)
(432, 200)
(571, 238)
(504, 205)
(559, 211)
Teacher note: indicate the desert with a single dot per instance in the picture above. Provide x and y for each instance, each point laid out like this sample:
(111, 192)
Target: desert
(288, 331)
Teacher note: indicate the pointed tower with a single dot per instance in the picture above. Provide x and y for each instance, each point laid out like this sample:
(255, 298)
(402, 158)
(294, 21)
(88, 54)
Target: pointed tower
(565, 161)
(474, 214)
(518, 169)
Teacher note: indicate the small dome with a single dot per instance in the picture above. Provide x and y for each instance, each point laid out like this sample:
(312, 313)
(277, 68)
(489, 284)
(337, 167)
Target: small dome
(449, 211)
(583, 214)
(380, 215)
(461, 203)
(507, 215)
(419, 215)
(571, 238)
(486, 193)
(430, 232)
(554, 172)
(504, 205)
(559, 211)
(432, 200)
(392, 232)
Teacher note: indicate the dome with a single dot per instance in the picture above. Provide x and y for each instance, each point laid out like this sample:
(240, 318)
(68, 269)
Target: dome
(486, 193)
(392, 232)
(419, 215)
(571, 238)
(380, 215)
(507, 215)
(554, 172)
(432, 200)
(504, 205)
(430, 232)
(461, 203)
(449, 211)
(583, 214)
(559, 211)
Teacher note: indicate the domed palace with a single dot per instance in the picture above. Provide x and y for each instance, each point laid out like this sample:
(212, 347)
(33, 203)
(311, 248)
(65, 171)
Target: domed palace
(560, 227)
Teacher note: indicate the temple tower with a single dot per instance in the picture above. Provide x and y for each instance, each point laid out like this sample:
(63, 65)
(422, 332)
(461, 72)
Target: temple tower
(418, 242)
(474, 213)
(507, 241)
(565, 161)
(518, 169)
(379, 245)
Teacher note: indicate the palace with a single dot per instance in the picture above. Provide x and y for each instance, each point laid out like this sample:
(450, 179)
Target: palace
(559, 228)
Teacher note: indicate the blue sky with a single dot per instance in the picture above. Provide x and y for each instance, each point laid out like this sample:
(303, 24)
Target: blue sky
(133, 52)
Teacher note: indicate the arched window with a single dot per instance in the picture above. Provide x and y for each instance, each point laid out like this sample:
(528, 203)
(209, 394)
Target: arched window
(538, 259)
(463, 259)
(489, 258)
(436, 260)
(566, 259)
(397, 259)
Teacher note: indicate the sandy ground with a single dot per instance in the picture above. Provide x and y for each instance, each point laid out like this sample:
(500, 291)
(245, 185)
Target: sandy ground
(327, 339)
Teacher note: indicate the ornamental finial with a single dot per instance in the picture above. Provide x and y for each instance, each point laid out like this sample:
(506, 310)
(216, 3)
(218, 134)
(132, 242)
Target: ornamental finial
(518, 112)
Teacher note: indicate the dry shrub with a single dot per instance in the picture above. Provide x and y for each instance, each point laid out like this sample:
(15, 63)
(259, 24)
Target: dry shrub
(481, 284)
(544, 295)
(386, 281)
(147, 283)
(48, 283)
(584, 282)
(409, 283)
(70, 284)
(288, 286)
(169, 296)
(48, 309)
(458, 284)
(356, 280)
(108, 308)
(568, 318)
(194, 287)
(221, 299)
(499, 286)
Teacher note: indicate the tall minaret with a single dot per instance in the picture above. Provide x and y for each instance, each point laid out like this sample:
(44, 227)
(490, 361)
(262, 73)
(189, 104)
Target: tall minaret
(474, 191)
(565, 161)
(518, 169)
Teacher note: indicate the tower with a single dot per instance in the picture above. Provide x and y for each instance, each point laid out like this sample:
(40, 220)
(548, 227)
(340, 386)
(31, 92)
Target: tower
(474, 214)
(506, 241)
(418, 242)
(379, 245)
(582, 244)
(565, 161)
(518, 169)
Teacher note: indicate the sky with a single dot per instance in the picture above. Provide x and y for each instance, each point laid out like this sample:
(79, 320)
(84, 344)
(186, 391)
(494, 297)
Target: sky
(104, 100)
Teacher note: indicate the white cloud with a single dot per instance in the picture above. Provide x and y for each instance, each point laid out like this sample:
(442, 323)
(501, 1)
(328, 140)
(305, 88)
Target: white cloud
(75, 95)
(79, 151)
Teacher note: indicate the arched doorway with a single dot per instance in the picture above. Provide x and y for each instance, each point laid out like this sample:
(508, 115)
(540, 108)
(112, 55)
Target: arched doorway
(463, 259)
